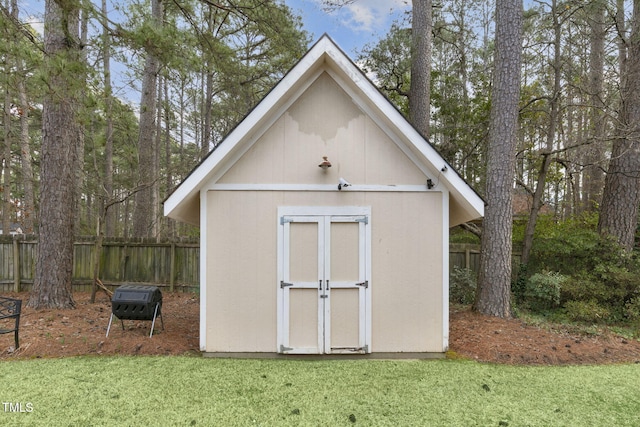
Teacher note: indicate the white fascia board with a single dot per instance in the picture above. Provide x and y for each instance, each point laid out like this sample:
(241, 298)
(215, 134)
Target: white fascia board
(458, 187)
(274, 114)
(191, 186)
(380, 108)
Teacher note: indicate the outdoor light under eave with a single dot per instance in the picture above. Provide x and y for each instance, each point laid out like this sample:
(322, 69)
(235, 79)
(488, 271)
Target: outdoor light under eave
(326, 164)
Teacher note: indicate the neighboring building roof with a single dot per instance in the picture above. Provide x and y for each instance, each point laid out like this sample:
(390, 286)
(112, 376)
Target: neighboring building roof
(15, 228)
(522, 202)
(184, 203)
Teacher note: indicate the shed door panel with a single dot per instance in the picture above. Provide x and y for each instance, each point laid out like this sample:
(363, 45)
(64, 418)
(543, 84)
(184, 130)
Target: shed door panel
(345, 321)
(345, 325)
(304, 263)
(304, 320)
(324, 284)
(345, 254)
(303, 268)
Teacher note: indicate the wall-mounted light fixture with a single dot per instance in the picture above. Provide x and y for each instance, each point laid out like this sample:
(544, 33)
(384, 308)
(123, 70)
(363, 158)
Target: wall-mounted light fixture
(326, 164)
(430, 184)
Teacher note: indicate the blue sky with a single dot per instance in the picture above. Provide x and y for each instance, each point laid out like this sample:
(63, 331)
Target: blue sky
(352, 26)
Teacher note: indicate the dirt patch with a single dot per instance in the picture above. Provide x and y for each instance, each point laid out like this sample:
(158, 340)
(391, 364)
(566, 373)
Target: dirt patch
(57, 333)
(491, 339)
(54, 333)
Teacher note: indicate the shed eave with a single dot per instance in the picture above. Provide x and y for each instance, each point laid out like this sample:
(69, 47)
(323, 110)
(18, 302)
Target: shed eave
(187, 211)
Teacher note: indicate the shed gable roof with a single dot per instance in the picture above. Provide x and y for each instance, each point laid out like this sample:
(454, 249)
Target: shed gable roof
(324, 57)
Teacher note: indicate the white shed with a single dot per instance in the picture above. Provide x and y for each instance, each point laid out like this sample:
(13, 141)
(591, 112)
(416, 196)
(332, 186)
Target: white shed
(301, 259)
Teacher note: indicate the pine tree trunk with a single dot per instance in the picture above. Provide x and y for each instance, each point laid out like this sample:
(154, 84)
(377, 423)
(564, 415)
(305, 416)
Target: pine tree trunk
(109, 212)
(28, 209)
(28, 218)
(169, 228)
(420, 91)
(494, 283)
(60, 136)
(619, 211)
(155, 186)
(6, 164)
(143, 210)
(594, 153)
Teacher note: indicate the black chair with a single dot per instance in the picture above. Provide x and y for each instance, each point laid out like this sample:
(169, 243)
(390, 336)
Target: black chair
(10, 309)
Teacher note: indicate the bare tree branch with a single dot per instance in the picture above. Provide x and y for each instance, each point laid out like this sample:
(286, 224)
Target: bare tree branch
(333, 5)
(472, 228)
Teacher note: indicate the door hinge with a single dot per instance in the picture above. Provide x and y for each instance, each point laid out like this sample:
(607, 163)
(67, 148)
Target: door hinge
(284, 349)
(284, 284)
(364, 284)
(284, 220)
(364, 219)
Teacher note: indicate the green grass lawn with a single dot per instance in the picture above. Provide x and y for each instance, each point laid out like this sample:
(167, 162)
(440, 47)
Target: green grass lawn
(186, 391)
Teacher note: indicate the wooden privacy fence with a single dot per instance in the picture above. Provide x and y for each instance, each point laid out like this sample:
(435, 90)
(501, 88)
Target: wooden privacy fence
(464, 255)
(171, 265)
(467, 255)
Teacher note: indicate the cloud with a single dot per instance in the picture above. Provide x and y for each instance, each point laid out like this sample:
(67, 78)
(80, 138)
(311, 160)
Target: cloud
(37, 23)
(362, 16)
(369, 15)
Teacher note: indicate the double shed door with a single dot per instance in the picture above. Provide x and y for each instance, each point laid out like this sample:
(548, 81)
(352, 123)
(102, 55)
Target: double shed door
(324, 286)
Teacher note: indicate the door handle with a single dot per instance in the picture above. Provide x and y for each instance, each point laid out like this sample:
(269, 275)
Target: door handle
(327, 288)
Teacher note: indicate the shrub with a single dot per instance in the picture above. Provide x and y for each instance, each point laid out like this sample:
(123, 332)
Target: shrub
(587, 311)
(602, 280)
(462, 285)
(584, 287)
(610, 287)
(632, 310)
(542, 290)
